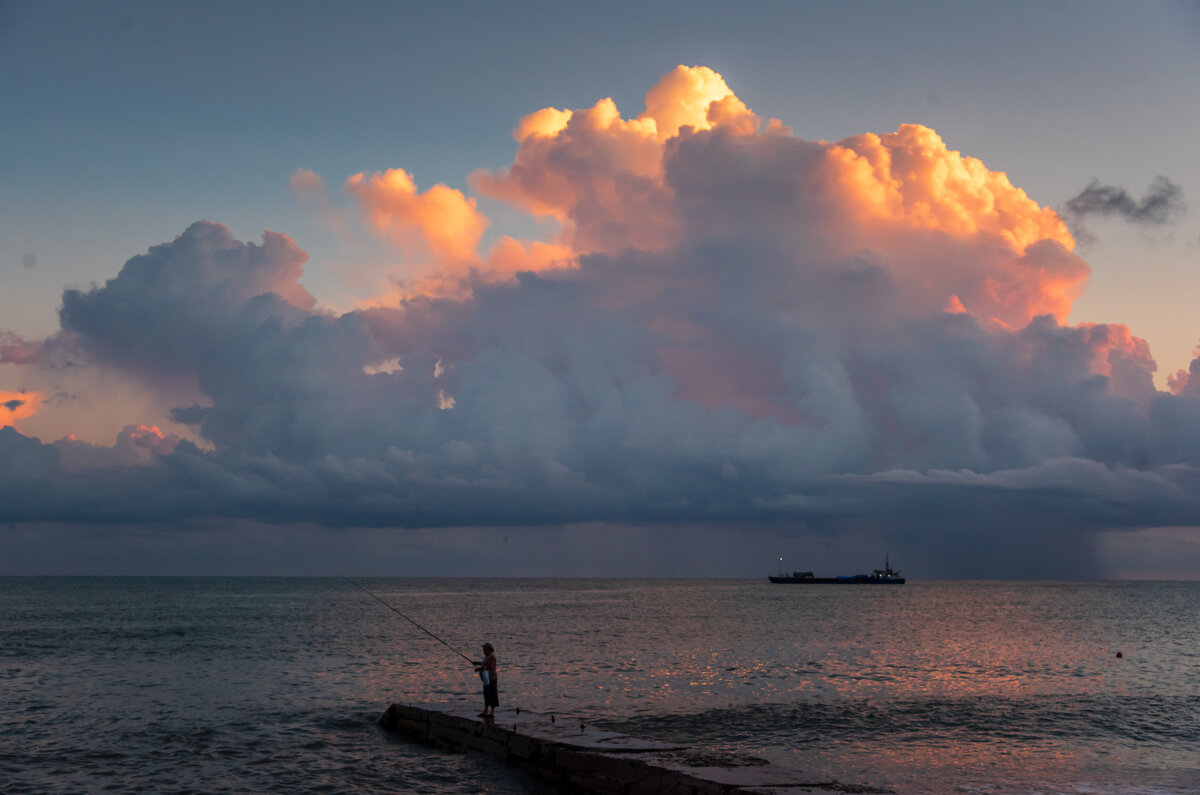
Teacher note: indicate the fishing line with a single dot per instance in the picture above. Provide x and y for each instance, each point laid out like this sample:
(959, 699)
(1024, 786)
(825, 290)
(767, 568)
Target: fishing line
(409, 620)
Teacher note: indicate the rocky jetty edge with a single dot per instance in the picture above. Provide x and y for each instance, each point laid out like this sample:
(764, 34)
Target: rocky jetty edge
(582, 759)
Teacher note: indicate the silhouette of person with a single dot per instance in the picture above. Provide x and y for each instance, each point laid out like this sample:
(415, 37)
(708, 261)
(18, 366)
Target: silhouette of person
(486, 668)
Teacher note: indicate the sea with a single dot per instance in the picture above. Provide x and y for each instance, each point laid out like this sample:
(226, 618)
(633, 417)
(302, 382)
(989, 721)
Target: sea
(180, 685)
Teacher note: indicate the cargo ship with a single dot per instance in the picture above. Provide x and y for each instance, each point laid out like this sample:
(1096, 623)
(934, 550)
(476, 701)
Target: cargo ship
(885, 576)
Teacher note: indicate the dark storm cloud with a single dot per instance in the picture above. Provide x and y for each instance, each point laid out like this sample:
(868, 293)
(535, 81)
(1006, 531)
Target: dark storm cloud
(25, 462)
(562, 416)
(1162, 204)
(755, 331)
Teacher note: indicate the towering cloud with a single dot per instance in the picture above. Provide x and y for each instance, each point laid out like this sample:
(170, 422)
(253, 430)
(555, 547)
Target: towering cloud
(731, 324)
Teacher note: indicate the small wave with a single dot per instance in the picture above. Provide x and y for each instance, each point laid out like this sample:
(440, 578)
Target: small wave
(1115, 719)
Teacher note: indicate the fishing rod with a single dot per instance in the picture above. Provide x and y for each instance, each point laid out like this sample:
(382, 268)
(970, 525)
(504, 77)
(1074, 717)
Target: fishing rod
(414, 623)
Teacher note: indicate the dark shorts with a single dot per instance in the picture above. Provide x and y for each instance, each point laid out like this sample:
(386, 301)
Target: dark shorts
(491, 696)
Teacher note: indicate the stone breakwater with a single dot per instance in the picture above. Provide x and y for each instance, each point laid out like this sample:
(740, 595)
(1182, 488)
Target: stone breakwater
(581, 759)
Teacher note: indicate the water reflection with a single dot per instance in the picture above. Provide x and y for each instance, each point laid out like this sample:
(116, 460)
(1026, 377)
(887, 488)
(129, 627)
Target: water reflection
(716, 643)
(261, 684)
(986, 679)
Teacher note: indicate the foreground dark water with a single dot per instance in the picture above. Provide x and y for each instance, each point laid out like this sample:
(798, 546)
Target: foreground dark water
(274, 685)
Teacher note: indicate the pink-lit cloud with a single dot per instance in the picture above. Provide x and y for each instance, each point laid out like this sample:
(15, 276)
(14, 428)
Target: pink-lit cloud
(15, 350)
(308, 184)
(136, 445)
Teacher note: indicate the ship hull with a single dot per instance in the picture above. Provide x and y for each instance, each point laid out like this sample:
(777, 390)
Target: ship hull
(859, 580)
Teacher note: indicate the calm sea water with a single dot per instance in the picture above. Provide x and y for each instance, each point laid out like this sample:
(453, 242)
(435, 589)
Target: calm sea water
(274, 685)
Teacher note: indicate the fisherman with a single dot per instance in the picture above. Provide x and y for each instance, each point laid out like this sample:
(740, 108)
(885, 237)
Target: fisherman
(486, 668)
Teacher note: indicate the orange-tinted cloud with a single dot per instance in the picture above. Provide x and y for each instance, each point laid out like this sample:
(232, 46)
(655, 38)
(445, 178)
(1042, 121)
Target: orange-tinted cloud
(441, 219)
(894, 224)
(599, 175)
(510, 256)
(894, 191)
(733, 323)
(1178, 382)
(16, 406)
(602, 176)
(911, 178)
(925, 228)
(441, 229)
(1110, 342)
(505, 259)
(1186, 382)
(695, 97)
(136, 445)
(697, 163)
(1121, 356)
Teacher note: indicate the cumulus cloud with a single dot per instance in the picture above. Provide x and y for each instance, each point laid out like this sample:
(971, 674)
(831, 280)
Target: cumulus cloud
(308, 185)
(441, 229)
(731, 326)
(441, 218)
(136, 445)
(1187, 382)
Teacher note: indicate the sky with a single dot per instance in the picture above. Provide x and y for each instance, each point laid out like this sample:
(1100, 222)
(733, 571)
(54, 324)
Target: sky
(667, 290)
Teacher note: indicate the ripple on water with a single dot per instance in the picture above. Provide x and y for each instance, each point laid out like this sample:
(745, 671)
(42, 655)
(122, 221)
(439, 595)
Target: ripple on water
(275, 685)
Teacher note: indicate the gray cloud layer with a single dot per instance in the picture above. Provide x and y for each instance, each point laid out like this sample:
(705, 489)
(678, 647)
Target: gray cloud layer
(1162, 204)
(826, 338)
(900, 425)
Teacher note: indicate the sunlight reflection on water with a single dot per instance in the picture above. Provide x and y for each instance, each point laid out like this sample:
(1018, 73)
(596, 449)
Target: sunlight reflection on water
(273, 685)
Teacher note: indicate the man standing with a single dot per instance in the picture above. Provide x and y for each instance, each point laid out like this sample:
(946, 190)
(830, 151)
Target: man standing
(486, 669)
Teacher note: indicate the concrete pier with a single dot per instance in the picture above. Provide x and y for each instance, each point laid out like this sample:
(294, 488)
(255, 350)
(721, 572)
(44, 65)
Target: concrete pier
(586, 760)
